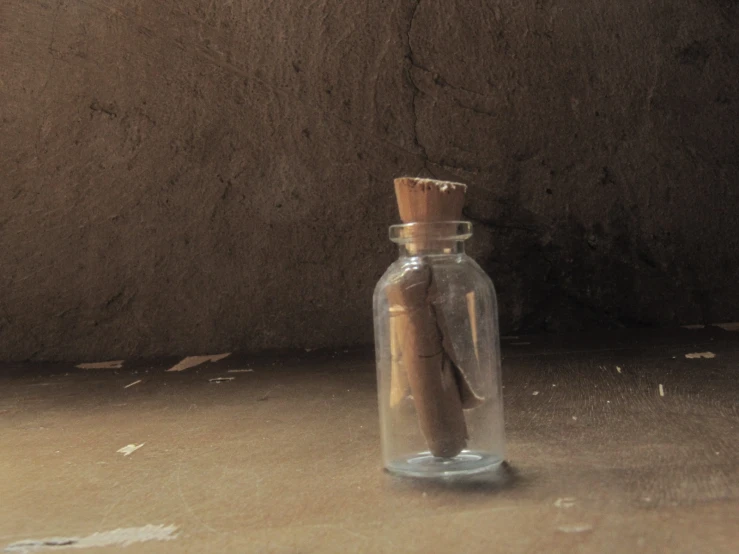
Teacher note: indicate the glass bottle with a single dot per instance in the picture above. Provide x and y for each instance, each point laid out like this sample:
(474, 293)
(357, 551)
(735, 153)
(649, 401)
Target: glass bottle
(438, 356)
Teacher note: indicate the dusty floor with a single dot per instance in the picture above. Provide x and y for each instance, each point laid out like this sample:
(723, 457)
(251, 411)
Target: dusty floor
(285, 458)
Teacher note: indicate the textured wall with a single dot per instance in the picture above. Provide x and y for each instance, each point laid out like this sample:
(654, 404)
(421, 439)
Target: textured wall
(185, 176)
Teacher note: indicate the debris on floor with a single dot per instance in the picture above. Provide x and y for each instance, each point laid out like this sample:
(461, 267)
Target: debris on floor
(221, 379)
(117, 537)
(240, 371)
(577, 528)
(113, 364)
(192, 361)
(566, 502)
(132, 384)
(130, 449)
(696, 355)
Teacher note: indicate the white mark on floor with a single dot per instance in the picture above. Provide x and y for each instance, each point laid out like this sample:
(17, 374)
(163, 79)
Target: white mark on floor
(132, 384)
(618, 369)
(192, 361)
(536, 392)
(574, 418)
(117, 537)
(566, 502)
(221, 379)
(113, 364)
(576, 528)
(554, 385)
(696, 355)
(661, 390)
(130, 449)
(240, 371)
(729, 326)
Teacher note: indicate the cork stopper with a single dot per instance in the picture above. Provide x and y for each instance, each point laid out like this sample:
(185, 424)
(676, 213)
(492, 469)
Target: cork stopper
(424, 200)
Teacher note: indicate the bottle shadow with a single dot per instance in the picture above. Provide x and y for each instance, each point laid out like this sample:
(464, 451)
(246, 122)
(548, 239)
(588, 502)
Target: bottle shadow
(503, 477)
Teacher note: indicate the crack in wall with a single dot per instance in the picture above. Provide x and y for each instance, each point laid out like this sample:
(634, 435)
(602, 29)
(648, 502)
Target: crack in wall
(413, 64)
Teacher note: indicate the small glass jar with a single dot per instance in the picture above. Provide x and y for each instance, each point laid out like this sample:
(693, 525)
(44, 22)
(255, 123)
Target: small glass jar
(438, 356)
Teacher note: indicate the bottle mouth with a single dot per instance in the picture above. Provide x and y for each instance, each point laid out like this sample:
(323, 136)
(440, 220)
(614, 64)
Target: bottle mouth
(407, 233)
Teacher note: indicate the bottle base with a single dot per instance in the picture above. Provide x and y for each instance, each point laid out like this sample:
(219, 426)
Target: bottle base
(426, 465)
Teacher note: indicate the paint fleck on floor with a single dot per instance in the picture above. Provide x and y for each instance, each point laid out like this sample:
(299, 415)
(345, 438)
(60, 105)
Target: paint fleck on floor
(192, 361)
(115, 537)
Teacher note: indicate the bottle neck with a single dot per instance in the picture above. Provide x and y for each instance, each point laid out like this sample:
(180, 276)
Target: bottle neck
(437, 238)
(431, 248)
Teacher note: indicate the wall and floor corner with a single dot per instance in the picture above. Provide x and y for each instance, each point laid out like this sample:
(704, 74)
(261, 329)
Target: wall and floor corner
(181, 177)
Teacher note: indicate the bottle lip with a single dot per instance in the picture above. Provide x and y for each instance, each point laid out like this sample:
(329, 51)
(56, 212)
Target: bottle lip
(406, 233)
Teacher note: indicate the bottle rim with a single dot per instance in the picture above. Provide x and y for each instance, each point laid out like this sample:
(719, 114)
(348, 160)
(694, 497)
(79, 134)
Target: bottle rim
(406, 233)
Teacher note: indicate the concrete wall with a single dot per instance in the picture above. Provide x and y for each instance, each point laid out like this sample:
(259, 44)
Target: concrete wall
(197, 176)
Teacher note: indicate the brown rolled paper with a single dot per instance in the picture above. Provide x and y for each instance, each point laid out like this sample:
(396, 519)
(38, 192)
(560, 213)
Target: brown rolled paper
(440, 389)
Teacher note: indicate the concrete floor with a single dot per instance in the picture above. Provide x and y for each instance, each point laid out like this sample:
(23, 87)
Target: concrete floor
(285, 458)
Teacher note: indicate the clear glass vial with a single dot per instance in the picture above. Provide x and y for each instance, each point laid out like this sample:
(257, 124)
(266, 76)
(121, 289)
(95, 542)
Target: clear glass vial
(438, 356)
